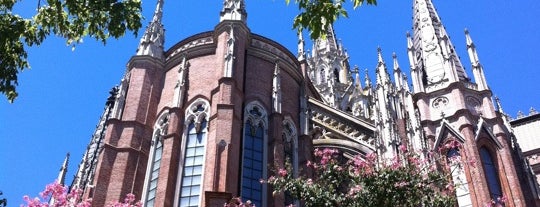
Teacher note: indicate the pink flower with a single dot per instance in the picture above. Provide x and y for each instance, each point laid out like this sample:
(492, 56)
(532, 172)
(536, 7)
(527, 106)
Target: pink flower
(471, 162)
(403, 148)
(354, 190)
(61, 198)
(282, 172)
(450, 187)
(371, 157)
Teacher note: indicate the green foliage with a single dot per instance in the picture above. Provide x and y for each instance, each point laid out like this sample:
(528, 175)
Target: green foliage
(316, 15)
(69, 19)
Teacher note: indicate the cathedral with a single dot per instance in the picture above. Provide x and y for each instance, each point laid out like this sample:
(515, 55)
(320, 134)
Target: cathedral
(204, 120)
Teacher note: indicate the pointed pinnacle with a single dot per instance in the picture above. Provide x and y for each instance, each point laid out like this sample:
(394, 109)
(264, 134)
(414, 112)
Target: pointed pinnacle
(396, 64)
(468, 38)
(379, 54)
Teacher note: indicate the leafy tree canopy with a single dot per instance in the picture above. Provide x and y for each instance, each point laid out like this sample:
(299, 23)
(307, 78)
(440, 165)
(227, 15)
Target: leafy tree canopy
(69, 19)
(316, 15)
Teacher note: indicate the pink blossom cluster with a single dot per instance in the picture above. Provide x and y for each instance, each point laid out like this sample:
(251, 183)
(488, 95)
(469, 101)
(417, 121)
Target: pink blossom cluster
(361, 166)
(499, 202)
(237, 202)
(325, 155)
(129, 201)
(58, 196)
(410, 178)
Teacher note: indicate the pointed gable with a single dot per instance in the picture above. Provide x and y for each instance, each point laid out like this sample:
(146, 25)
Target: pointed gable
(483, 129)
(442, 133)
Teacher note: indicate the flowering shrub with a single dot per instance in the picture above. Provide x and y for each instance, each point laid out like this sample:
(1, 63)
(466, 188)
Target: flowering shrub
(406, 180)
(237, 202)
(60, 197)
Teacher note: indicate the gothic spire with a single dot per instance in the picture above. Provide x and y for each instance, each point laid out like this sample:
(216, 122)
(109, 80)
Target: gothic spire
(436, 55)
(233, 10)
(61, 176)
(152, 41)
(301, 45)
(63, 170)
(367, 79)
(398, 75)
(478, 70)
(357, 79)
(382, 74)
(327, 44)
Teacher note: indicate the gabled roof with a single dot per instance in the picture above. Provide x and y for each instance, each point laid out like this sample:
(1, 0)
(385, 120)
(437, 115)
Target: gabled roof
(483, 128)
(445, 126)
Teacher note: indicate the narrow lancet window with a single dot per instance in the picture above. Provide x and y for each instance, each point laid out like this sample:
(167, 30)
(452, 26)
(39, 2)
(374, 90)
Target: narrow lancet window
(191, 172)
(154, 163)
(254, 154)
(492, 177)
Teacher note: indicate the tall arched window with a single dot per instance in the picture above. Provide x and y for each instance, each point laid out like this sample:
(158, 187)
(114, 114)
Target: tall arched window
(290, 146)
(254, 154)
(458, 178)
(492, 176)
(290, 143)
(193, 151)
(154, 163)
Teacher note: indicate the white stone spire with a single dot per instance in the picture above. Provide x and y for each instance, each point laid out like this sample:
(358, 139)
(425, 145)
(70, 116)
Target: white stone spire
(367, 80)
(63, 170)
(357, 79)
(434, 54)
(233, 10)
(301, 45)
(478, 70)
(152, 41)
(398, 75)
(61, 176)
(328, 44)
(383, 78)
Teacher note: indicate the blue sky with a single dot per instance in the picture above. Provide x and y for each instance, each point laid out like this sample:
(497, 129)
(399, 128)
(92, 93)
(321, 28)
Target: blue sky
(62, 96)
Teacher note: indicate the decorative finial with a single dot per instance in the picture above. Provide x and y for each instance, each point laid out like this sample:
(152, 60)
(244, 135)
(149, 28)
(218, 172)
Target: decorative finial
(520, 114)
(301, 44)
(396, 64)
(532, 111)
(367, 80)
(379, 54)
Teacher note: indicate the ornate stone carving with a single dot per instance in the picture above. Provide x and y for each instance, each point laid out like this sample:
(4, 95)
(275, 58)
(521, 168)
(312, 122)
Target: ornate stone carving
(440, 102)
(192, 44)
(197, 112)
(473, 104)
